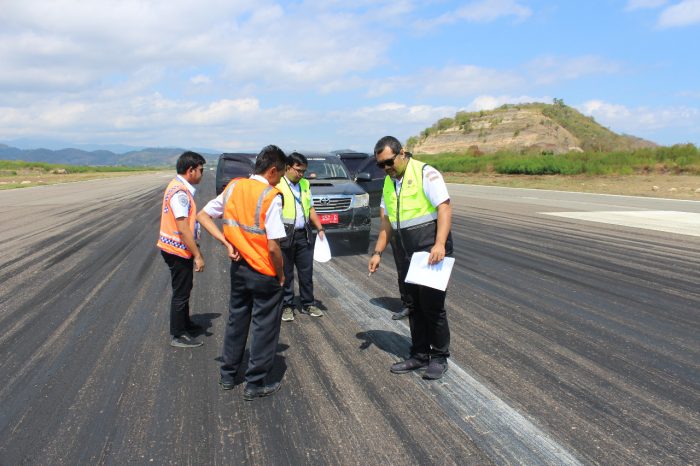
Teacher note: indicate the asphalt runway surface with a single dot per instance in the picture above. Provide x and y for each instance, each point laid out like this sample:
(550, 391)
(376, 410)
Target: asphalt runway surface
(575, 340)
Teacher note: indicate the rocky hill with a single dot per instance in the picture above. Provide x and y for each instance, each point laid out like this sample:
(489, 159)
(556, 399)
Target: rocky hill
(523, 128)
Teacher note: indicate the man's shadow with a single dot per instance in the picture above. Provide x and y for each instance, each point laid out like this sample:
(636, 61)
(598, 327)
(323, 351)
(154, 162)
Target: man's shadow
(276, 374)
(393, 305)
(389, 342)
(205, 320)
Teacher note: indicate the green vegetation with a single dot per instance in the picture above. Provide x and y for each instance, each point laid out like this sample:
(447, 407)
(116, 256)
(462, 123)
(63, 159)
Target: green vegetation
(12, 166)
(591, 135)
(677, 159)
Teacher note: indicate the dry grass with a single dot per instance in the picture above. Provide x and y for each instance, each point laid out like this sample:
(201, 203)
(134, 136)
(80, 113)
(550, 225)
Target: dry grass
(652, 185)
(28, 178)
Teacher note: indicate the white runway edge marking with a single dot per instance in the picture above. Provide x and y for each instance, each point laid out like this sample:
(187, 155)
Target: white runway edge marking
(500, 431)
(682, 223)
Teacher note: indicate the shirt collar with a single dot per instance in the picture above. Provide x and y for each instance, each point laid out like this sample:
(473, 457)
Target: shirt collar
(290, 182)
(259, 178)
(190, 188)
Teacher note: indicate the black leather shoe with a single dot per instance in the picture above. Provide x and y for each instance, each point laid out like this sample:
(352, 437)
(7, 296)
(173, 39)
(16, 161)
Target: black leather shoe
(226, 384)
(404, 312)
(435, 370)
(251, 391)
(410, 364)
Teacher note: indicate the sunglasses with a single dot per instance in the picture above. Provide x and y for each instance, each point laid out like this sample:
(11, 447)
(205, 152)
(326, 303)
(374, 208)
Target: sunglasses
(388, 162)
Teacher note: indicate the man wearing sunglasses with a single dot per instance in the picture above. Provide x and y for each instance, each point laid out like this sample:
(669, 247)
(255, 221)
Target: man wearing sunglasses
(297, 215)
(418, 212)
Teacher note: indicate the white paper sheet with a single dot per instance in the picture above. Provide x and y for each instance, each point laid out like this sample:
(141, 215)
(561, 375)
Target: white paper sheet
(322, 250)
(434, 276)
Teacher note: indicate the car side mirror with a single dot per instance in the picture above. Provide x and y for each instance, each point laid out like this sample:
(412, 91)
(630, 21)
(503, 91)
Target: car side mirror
(363, 176)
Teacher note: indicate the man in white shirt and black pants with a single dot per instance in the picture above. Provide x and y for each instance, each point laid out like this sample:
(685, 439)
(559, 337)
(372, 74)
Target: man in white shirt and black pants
(418, 210)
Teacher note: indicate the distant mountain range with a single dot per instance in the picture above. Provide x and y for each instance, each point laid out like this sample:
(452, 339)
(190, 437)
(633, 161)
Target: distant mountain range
(522, 128)
(160, 156)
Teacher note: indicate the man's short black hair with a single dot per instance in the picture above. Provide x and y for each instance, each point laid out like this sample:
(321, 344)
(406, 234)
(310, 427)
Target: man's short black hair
(295, 158)
(390, 141)
(268, 157)
(188, 160)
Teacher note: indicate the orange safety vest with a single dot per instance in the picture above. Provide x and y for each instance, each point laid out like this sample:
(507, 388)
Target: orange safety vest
(170, 239)
(245, 206)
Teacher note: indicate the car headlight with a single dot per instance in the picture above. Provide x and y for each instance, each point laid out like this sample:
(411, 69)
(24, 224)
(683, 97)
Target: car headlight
(360, 200)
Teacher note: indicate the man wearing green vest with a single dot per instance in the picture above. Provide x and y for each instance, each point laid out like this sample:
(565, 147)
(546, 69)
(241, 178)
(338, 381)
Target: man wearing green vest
(297, 214)
(418, 211)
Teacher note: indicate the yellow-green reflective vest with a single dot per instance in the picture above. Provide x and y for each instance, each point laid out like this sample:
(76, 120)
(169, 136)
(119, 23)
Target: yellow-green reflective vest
(414, 207)
(289, 209)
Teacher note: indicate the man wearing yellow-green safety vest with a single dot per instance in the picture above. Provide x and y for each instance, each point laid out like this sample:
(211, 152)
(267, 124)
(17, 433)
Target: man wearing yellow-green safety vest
(418, 210)
(297, 247)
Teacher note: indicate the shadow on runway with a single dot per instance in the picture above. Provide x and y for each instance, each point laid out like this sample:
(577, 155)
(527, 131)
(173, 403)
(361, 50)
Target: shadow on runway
(387, 341)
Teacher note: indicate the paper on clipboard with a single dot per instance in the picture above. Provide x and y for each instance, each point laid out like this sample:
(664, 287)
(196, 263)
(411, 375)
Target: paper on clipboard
(322, 250)
(434, 276)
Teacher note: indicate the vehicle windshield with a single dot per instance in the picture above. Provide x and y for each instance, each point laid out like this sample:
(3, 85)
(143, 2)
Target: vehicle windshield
(326, 169)
(237, 169)
(353, 163)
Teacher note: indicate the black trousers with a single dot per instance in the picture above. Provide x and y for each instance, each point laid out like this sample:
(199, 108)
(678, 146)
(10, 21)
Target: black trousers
(181, 275)
(402, 270)
(256, 299)
(300, 254)
(430, 333)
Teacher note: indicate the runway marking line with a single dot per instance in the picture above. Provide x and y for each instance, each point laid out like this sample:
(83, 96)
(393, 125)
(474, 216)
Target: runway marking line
(500, 431)
(682, 223)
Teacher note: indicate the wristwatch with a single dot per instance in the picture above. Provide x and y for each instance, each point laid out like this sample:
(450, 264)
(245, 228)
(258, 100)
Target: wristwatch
(377, 253)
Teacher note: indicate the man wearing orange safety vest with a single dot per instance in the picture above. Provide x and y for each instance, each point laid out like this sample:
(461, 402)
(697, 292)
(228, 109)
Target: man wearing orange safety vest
(252, 227)
(177, 241)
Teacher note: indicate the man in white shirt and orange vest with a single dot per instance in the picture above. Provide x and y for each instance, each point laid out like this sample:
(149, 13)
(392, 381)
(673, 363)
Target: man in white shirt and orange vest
(177, 241)
(252, 213)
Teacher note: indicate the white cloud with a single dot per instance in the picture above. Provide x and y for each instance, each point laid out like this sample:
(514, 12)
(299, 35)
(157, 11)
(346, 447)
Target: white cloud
(253, 41)
(641, 120)
(489, 102)
(150, 120)
(684, 13)
(547, 70)
(644, 4)
(398, 119)
(481, 11)
(200, 79)
(468, 80)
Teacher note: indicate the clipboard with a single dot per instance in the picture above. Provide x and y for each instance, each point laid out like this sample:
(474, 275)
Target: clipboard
(434, 276)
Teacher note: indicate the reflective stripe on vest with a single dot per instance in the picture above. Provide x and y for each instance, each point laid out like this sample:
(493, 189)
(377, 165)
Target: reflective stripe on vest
(415, 207)
(246, 232)
(289, 209)
(170, 238)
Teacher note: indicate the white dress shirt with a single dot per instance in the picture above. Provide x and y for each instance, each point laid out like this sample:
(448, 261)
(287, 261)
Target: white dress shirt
(274, 228)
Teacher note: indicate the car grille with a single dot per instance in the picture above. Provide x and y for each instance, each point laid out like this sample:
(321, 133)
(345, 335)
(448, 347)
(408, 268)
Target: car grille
(331, 203)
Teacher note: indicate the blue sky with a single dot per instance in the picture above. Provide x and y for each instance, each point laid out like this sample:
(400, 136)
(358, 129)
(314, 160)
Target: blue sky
(324, 74)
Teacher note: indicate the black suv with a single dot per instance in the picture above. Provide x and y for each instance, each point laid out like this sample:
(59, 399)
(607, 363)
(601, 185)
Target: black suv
(364, 171)
(342, 205)
(353, 160)
(230, 166)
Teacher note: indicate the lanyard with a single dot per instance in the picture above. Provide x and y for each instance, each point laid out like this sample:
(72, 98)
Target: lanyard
(297, 199)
